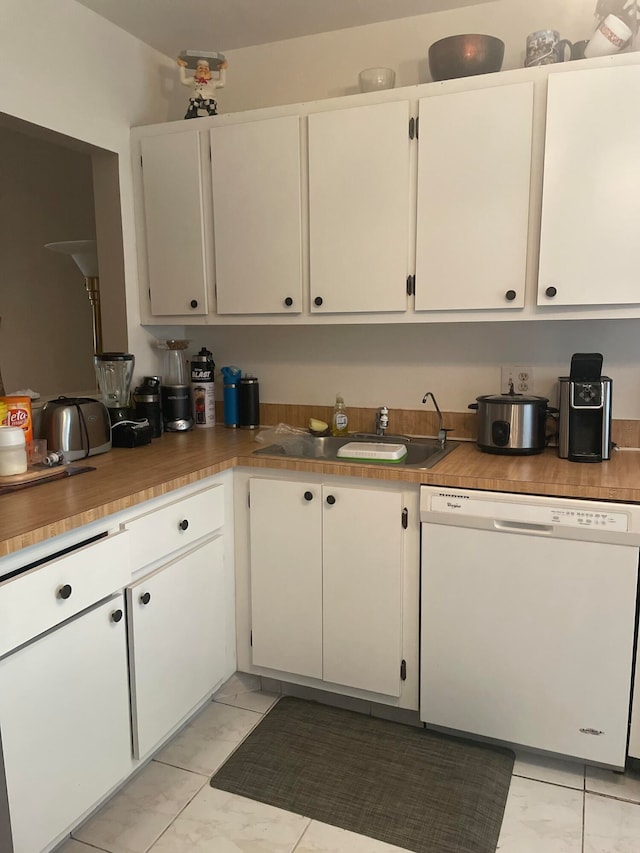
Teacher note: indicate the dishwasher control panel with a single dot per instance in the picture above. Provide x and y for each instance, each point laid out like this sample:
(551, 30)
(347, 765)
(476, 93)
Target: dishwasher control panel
(532, 510)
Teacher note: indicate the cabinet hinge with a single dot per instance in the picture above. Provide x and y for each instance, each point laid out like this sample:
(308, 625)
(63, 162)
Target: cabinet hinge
(403, 670)
(405, 518)
(411, 285)
(412, 128)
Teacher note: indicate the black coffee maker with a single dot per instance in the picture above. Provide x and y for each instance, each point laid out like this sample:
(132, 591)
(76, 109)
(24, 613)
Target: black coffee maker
(585, 410)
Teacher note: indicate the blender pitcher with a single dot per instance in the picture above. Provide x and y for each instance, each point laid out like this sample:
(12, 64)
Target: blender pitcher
(176, 388)
(114, 371)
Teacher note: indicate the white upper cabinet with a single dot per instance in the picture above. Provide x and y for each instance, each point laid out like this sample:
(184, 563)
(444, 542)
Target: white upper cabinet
(591, 192)
(256, 214)
(359, 208)
(174, 224)
(507, 206)
(474, 166)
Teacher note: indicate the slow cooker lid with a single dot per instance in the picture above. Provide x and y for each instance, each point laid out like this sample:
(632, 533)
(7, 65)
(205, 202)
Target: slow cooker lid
(514, 399)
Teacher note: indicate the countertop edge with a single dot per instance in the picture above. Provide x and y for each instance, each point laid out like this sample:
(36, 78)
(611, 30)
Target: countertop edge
(192, 461)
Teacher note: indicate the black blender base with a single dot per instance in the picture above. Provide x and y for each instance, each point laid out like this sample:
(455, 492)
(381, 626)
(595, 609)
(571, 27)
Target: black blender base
(121, 413)
(127, 430)
(180, 425)
(131, 434)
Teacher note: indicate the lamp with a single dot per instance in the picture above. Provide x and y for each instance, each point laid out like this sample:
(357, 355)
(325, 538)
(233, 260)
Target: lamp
(85, 255)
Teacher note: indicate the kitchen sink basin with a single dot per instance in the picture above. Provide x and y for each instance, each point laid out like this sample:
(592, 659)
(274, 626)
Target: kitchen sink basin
(421, 452)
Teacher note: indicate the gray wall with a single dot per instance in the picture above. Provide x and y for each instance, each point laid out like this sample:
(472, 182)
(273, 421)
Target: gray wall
(46, 195)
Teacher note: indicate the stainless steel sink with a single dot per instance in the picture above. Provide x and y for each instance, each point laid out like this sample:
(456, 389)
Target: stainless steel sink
(421, 452)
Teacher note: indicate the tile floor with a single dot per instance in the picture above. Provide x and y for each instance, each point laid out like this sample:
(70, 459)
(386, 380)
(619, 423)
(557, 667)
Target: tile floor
(553, 806)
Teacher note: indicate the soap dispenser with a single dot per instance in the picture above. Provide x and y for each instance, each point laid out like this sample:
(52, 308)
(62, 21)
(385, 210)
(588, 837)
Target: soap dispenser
(340, 422)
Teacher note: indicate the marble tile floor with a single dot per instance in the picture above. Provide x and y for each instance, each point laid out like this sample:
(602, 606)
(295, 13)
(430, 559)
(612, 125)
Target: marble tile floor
(553, 806)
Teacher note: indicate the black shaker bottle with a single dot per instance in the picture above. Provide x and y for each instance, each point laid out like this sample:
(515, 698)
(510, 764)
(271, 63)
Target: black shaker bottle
(147, 403)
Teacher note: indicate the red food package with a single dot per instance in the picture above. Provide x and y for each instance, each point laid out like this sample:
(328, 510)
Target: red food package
(18, 414)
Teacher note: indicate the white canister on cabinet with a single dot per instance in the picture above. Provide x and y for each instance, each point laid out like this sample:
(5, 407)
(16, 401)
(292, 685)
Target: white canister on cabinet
(13, 451)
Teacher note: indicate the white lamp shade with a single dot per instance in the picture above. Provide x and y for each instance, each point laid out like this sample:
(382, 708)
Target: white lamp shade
(83, 252)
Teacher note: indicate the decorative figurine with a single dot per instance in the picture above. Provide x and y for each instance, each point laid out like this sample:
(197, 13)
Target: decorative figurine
(203, 83)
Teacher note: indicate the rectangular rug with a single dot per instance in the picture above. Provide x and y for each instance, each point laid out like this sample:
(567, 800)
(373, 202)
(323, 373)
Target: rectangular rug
(411, 787)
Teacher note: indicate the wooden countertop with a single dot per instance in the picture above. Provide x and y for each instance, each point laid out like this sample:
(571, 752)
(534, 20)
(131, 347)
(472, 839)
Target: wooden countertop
(126, 477)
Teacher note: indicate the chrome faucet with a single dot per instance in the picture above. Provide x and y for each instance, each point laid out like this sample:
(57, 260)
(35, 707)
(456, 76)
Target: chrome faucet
(442, 432)
(382, 420)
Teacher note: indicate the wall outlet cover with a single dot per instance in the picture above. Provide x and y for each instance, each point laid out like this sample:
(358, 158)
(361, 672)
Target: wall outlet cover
(520, 375)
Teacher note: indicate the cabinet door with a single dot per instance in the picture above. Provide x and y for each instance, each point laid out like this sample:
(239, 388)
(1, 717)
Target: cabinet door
(362, 588)
(64, 723)
(286, 576)
(634, 731)
(173, 210)
(176, 641)
(473, 198)
(256, 214)
(359, 208)
(591, 193)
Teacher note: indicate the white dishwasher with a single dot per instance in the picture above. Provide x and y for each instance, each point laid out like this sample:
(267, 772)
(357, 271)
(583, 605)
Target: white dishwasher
(528, 612)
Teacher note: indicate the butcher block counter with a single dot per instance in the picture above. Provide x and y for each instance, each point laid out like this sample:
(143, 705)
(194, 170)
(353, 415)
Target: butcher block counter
(124, 478)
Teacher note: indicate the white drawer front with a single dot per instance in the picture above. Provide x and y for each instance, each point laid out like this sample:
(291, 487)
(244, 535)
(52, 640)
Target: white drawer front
(162, 531)
(44, 596)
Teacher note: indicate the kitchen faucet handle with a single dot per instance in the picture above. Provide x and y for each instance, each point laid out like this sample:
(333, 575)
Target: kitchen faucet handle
(382, 420)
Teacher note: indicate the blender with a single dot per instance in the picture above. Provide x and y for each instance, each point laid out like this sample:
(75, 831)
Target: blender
(176, 389)
(114, 371)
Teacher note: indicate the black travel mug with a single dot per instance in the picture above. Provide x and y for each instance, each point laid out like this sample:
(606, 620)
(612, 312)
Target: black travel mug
(248, 402)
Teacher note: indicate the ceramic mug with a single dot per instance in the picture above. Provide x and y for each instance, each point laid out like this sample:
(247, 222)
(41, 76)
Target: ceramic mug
(545, 47)
(610, 37)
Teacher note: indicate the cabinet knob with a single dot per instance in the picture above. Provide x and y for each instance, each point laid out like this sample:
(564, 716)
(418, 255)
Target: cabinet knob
(184, 524)
(65, 591)
(317, 300)
(194, 303)
(308, 496)
(510, 295)
(145, 598)
(116, 616)
(288, 302)
(551, 292)
(331, 500)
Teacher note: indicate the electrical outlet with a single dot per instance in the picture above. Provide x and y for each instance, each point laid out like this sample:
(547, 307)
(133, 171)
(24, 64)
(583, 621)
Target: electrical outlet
(521, 375)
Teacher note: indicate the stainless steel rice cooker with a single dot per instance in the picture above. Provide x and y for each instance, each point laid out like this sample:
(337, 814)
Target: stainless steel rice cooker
(514, 424)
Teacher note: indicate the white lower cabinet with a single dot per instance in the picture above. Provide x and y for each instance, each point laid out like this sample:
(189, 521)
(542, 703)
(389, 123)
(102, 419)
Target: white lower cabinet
(176, 641)
(286, 576)
(326, 582)
(64, 725)
(107, 646)
(634, 731)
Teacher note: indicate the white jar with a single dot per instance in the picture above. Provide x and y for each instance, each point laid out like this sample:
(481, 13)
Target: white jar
(13, 451)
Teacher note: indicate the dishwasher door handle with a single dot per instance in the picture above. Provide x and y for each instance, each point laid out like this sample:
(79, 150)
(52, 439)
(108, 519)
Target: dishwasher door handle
(523, 527)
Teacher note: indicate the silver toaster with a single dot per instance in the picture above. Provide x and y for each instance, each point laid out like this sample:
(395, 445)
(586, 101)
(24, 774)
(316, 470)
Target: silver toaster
(76, 426)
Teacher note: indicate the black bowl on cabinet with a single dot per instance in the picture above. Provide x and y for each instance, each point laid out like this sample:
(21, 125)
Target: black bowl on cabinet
(465, 56)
